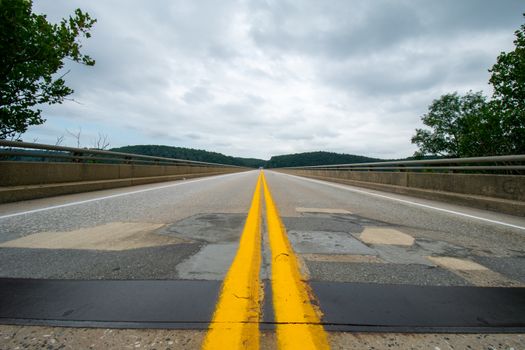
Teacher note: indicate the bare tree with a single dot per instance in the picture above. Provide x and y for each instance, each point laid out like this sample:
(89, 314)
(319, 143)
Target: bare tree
(15, 137)
(59, 140)
(76, 135)
(102, 142)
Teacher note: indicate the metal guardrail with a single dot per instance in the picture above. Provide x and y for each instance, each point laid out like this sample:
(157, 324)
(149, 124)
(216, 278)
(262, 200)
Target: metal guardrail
(511, 163)
(79, 155)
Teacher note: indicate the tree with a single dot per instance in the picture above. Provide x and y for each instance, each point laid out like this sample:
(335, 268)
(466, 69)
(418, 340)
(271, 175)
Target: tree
(32, 51)
(508, 80)
(102, 142)
(471, 125)
(461, 126)
(76, 135)
(316, 158)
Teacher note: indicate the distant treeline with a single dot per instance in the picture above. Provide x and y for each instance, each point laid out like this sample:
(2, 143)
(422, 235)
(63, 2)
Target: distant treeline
(316, 158)
(190, 154)
(288, 160)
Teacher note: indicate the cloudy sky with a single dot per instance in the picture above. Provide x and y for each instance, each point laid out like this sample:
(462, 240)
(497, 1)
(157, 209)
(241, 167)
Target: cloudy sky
(262, 78)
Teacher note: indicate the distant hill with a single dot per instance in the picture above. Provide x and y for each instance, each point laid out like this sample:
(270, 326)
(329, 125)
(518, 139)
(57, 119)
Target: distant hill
(286, 160)
(190, 154)
(316, 158)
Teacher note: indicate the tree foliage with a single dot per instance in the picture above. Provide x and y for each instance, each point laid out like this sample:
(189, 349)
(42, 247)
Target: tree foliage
(32, 51)
(472, 125)
(297, 159)
(316, 158)
(190, 154)
(508, 81)
(462, 126)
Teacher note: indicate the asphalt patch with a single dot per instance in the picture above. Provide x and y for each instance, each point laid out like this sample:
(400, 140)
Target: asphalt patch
(112, 304)
(212, 262)
(111, 236)
(329, 223)
(407, 308)
(184, 304)
(327, 242)
(210, 228)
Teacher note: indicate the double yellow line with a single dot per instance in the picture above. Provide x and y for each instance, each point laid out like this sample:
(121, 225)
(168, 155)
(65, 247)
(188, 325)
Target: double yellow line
(235, 323)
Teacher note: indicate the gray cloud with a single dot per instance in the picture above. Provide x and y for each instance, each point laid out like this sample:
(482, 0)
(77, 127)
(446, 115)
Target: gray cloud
(349, 28)
(259, 78)
(334, 28)
(198, 94)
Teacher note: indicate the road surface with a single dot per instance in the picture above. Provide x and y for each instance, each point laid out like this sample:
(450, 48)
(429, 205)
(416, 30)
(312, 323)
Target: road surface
(190, 231)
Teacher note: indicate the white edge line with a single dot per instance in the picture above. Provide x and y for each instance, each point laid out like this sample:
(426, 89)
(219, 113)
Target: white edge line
(346, 187)
(114, 196)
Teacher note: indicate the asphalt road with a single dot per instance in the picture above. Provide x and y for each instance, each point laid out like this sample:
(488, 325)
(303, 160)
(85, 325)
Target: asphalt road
(190, 230)
(202, 220)
(193, 205)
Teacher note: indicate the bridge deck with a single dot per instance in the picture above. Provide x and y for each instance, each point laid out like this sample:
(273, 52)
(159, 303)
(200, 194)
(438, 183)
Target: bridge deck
(374, 261)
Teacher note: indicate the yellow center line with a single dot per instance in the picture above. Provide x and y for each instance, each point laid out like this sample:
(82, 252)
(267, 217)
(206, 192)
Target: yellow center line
(298, 321)
(235, 323)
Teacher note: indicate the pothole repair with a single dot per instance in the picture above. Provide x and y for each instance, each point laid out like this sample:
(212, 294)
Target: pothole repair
(322, 210)
(115, 236)
(381, 235)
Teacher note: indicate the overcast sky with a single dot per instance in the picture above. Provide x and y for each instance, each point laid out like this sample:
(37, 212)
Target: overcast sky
(262, 78)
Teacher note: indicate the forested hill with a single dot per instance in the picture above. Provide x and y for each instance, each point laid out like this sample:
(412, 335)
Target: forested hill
(287, 160)
(316, 158)
(190, 154)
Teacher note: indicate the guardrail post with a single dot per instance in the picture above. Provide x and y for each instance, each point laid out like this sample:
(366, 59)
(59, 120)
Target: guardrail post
(75, 156)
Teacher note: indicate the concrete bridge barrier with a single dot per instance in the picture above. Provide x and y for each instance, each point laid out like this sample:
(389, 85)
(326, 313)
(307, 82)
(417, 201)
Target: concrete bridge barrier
(55, 170)
(30, 180)
(501, 193)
